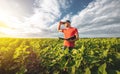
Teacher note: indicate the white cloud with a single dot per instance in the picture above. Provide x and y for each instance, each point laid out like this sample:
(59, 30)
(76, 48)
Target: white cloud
(46, 12)
(99, 17)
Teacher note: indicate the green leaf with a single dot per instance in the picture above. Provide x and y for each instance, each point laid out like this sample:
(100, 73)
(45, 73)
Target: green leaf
(117, 72)
(73, 70)
(102, 69)
(87, 71)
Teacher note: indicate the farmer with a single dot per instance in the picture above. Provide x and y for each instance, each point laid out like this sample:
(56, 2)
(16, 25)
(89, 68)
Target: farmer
(68, 33)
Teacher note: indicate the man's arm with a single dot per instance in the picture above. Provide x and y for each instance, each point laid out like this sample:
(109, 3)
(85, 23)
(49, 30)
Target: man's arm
(59, 26)
(77, 36)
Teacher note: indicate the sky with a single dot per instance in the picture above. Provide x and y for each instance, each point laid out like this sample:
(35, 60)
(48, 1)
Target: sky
(40, 18)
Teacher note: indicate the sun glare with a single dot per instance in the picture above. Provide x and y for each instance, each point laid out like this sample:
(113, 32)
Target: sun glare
(4, 26)
(2, 17)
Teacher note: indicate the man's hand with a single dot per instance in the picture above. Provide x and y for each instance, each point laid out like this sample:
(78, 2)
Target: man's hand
(61, 22)
(59, 26)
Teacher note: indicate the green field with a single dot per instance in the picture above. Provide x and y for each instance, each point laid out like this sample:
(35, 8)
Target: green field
(46, 56)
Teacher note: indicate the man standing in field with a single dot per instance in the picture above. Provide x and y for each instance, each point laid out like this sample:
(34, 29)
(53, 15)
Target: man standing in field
(70, 34)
